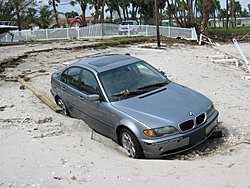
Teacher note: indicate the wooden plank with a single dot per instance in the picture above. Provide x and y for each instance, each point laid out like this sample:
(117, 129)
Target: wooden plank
(41, 96)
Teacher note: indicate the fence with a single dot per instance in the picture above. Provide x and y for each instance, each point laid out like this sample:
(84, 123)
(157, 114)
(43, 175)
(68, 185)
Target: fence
(97, 31)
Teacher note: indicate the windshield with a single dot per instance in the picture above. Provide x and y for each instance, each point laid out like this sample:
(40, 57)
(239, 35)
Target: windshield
(127, 23)
(131, 80)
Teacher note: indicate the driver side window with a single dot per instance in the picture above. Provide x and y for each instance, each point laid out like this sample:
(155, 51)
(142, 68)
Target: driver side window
(88, 83)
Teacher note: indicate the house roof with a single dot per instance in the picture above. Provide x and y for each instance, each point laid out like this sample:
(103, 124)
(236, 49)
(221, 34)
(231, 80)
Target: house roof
(64, 20)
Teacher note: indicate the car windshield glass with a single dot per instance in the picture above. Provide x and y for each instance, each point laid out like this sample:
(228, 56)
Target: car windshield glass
(127, 23)
(131, 80)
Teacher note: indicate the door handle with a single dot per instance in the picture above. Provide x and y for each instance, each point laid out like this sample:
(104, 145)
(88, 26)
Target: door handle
(80, 97)
(63, 88)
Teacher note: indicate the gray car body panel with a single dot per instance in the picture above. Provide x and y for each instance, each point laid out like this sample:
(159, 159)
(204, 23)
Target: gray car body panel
(158, 113)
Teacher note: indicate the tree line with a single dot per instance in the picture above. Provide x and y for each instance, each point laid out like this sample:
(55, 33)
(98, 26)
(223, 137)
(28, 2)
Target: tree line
(186, 13)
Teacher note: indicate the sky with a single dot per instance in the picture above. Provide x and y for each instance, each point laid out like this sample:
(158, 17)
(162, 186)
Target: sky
(64, 6)
(243, 3)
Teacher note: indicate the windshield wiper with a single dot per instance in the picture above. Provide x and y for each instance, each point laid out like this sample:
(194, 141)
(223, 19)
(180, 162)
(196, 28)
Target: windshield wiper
(126, 93)
(153, 85)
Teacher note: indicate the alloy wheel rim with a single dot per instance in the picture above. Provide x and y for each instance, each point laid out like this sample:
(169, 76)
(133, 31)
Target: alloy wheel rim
(62, 105)
(128, 144)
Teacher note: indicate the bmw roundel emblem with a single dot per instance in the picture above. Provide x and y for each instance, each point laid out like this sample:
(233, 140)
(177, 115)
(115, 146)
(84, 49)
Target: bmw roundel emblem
(191, 113)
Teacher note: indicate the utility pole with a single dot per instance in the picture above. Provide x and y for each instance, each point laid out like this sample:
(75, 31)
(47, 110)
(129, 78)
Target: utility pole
(157, 23)
(227, 14)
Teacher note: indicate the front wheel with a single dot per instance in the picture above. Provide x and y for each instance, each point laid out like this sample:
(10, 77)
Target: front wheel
(131, 144)
(61, 103)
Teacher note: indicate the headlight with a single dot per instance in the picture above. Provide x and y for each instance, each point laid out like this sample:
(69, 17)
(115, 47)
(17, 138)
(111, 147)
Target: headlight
(167, 130)
(210, 110)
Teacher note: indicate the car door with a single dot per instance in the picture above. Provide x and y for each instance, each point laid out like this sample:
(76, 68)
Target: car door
(93, 112)
(69, 89)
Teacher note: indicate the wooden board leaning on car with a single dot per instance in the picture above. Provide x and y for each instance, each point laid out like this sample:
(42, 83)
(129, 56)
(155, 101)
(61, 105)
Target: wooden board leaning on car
(41, 96)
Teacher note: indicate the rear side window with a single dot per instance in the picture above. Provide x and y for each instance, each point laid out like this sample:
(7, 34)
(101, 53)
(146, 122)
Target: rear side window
(71, 76)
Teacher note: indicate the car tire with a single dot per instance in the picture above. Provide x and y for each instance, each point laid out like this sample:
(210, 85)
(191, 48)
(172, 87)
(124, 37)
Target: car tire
(129, 142)
(62, 104)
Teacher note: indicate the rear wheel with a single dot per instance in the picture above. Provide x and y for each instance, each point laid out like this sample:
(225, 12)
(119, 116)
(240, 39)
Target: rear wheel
(131, 144)
(61, 103)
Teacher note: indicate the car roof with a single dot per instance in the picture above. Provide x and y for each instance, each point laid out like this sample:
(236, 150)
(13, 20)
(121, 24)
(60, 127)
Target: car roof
(106, 62)
(129, 21)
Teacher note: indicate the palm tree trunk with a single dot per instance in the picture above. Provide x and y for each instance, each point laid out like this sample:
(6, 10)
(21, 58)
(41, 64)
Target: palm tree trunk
(184, 14)
(83, 7)
(97, 6)
(206, 7)
(233, 16)
(102, 13)
(55, 11)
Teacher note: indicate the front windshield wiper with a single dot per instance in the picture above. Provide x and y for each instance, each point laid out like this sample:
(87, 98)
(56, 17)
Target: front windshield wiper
(153, 85)
(126, 93)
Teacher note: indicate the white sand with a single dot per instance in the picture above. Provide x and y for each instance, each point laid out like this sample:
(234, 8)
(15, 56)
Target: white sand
(40, 148)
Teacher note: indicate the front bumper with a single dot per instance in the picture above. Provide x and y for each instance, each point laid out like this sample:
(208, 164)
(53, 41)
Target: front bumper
(181, 142)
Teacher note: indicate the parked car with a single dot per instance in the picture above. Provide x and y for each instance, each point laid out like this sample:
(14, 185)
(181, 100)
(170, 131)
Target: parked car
(128, 27)
(131, 102)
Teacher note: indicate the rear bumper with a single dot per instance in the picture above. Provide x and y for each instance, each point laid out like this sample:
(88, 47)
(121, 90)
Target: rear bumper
(52, 92)
(180, 142)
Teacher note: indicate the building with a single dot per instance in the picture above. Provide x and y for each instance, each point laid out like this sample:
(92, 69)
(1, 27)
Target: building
(240, 22)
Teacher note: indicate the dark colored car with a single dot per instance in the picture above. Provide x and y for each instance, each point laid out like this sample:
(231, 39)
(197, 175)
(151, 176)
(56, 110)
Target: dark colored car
(131, 102)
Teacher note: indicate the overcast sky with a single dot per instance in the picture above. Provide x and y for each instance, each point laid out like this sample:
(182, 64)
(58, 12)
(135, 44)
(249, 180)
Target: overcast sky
(65, 7)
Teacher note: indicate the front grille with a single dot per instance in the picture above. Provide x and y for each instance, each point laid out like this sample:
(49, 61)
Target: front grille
(200, 119)
(187, 125)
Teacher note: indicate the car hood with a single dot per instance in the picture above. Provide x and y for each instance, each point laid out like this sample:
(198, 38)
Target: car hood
(169, 105)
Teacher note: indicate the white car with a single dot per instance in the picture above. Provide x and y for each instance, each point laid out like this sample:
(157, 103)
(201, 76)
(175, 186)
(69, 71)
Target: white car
(128, 27)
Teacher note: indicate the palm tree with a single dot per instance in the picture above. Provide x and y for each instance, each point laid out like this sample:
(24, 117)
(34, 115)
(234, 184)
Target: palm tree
(115, 6)
(235, 8)
(29, 17)
(102, 11)
(214, 9)
(111, 9)
(14, 9)
(96, 4)
(222, 15)
(232, 5)
(83, 4)
(54, 5)
(71, 14)
(244, 13)
(169, 13)
(45, 16)
(134, 10)
(238, 8)
(206, 8)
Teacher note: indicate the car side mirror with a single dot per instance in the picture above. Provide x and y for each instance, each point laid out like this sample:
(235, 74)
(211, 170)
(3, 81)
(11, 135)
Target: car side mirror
(93, 97)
